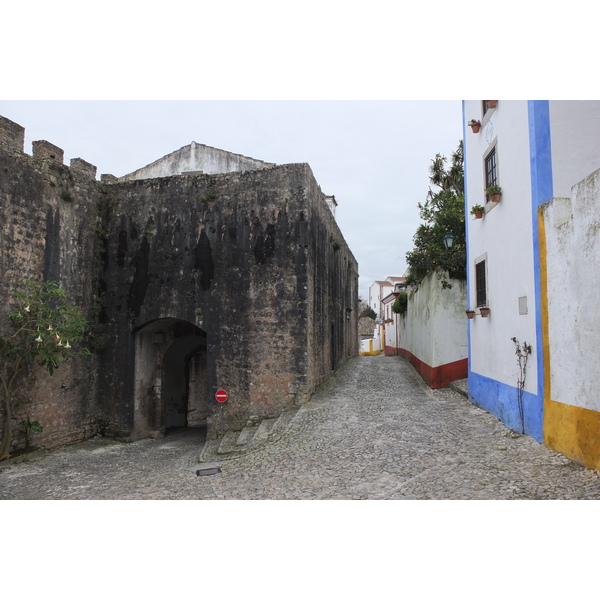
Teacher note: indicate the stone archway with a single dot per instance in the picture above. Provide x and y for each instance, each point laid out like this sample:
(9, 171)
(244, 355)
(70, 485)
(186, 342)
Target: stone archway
(170, 389)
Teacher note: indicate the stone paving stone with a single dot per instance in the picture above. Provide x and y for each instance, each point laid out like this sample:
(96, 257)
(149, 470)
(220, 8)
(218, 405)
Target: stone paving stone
(374, 431)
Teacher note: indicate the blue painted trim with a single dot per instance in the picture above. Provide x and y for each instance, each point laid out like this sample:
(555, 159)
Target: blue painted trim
(465, 127)
(501, 400)
(540, 152)
(541, 192)
(498, 398)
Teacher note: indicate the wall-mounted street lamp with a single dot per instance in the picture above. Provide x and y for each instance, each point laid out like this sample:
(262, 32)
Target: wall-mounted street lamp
(449, 241)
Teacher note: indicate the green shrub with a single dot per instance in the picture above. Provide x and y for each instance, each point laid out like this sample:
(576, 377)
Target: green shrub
(400, 304)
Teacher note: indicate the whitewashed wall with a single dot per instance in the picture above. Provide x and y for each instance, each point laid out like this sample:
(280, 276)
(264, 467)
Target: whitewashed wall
(197, 157)
(504, 237)
(377, 292)
(573, 262)
(434, 328)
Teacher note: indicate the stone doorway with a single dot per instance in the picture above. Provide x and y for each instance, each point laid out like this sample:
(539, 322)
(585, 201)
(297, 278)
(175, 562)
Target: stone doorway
(170, 384)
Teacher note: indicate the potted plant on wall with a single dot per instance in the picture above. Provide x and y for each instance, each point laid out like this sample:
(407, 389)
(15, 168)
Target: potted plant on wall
(494, 193)
(491, 103)
(477, 210)
(484, 311)
(470, 314)
(475, 125)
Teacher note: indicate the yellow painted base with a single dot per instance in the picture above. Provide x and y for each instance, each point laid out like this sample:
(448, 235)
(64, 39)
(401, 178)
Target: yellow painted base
(574, 432)
(371, 353)
(570, 430)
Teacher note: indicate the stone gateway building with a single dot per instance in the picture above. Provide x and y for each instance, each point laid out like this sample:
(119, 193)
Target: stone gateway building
(203, 271)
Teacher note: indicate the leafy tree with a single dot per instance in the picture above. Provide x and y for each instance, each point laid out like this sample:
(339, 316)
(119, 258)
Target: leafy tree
(43, 329)
(369, 312)
(443, 212)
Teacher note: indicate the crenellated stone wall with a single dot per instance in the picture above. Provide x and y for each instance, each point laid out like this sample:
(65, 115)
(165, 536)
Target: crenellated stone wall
(48, 223)
(12, 135)
(242, 279)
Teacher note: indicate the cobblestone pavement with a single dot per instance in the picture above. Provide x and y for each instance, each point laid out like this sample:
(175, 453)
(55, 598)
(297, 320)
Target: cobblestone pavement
(374, 431)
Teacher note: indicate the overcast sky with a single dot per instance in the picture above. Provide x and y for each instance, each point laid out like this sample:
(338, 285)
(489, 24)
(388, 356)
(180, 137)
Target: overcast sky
(374, 156)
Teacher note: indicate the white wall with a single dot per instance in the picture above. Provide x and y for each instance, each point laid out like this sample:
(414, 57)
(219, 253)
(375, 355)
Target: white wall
(573, 262)
(377, 292)
(374, 297)
(434, 328)
(504, 237)
(197, 157)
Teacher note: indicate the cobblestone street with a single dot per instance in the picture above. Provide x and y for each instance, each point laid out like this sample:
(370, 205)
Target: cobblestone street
(374, 431)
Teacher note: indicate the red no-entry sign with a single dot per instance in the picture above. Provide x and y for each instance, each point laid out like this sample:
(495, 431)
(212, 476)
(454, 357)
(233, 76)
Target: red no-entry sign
(221, 396)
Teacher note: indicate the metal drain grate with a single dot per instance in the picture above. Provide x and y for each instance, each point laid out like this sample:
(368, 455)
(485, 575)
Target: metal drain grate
(212, 471)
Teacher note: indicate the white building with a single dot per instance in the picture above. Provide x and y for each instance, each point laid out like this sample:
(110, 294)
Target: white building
(195, 159)
(537, 151)
(380, 289)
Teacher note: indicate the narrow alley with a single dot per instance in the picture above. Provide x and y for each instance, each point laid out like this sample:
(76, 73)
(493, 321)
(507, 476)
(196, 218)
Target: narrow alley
(374, 431)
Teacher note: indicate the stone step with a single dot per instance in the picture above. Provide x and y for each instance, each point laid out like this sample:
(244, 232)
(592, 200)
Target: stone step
(246, 435)
(261, 435)
(234, 443)
(228, 442)
(461, 386)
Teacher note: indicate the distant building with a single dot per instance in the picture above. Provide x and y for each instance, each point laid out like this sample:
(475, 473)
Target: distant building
(197, 159)
(378, 290)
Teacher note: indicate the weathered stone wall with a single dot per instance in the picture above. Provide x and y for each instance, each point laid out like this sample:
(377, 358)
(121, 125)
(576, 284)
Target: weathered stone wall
(332, 279)
(243, 256)
(12, 136)
(244, 275)
(48, 232)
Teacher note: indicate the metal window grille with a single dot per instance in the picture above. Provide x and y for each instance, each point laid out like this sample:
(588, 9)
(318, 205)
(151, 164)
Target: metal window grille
(490, 169)
(480, 284)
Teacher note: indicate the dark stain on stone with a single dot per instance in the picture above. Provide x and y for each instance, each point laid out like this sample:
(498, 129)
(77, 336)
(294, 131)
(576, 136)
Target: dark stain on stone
(139, 285)
(203, 261)
(52, 247)
(265, 245)
(122, 248)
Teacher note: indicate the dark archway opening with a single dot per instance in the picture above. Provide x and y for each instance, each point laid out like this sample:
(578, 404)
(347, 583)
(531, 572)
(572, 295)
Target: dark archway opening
(184, 367)
(170, 378)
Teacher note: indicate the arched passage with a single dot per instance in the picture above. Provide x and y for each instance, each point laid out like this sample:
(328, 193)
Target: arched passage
(170, 389)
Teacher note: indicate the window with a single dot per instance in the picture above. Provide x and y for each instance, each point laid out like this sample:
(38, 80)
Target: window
(480, 284)
(491, 170)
